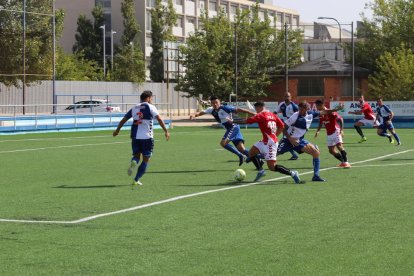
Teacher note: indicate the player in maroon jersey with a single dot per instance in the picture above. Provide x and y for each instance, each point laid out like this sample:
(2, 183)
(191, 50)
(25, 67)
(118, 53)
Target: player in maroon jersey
(334, 126)
(368, 120)
(271, 126)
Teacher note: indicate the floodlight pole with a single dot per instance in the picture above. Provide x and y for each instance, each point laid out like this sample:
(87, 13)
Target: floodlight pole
(24, 58)
(353, 61)
(339, 25)
(103, 51)
(112, 49)
(54, 100)
(286, 60)
(235, 62)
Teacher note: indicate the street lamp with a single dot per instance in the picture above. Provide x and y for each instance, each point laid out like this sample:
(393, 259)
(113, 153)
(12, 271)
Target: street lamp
(339, 25)
(103, 52)
(112, 49)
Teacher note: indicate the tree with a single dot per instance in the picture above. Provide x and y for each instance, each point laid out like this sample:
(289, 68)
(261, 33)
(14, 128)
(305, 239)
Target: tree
(394, 79)
(75, 67)
(38, 42)
(89, 36)
(129, 63)
(162, 20)
(209, 56)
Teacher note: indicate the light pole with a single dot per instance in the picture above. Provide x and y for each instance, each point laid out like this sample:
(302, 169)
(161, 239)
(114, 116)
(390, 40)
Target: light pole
(112, 49)
(339, 25)
(103, 52)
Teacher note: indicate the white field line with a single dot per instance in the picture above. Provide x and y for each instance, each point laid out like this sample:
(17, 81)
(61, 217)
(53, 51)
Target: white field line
(190, 195)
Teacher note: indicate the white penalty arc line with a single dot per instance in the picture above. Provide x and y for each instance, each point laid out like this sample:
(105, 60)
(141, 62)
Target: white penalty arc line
(184, 196)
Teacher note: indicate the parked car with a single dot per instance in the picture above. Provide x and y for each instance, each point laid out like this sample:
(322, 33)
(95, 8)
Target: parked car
(95, 106)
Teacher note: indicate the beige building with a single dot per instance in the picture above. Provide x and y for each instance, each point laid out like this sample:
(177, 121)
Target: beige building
(188, 11)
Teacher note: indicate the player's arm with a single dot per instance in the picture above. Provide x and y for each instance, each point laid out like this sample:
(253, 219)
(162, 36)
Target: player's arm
(356, 112)
(121, 123)
(162, 124)
(318, 129)
(198, 114)
(340, 121)
(330, 111)
(245, 111)
(280, 126)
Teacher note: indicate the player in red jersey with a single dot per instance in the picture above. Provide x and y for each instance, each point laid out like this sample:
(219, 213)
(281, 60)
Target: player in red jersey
(334, 127)
(368, 120)
(271, 126)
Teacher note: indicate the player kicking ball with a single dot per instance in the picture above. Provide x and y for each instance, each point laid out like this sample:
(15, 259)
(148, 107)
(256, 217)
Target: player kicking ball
(334, 125)
(271, 127)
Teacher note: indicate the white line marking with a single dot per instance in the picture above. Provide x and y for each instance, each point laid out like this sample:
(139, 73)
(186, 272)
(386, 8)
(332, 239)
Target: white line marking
(184, 196)
(60, 147)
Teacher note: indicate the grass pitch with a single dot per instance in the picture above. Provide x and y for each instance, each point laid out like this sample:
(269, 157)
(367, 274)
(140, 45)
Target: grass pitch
(358, 222)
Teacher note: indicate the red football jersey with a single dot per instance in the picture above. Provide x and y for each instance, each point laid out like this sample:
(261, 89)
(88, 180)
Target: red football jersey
(330, 121)
(268, 124)
(367, 111)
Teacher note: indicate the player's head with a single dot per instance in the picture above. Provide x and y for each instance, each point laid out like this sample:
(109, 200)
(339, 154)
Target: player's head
(259, 106)
(215, 102)
(319, 105)
(379, 101)
(303, 107)
(288, 97)
(146, 96)
(361, 100)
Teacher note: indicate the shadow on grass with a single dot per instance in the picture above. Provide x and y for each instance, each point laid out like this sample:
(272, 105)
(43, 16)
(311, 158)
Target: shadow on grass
(90, 187)
(184, 171)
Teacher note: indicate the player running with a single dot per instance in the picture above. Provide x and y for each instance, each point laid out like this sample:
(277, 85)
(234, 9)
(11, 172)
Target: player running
(368, 120)
(334, 127)
(142, 134)
(384, 116)
(295, 129)
(271, 126)
(223, 115)
(287, 108)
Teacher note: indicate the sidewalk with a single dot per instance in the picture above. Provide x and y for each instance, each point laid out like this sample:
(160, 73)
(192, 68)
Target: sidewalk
(199, 121)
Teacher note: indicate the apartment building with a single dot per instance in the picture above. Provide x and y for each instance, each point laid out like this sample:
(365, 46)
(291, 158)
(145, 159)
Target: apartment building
(188, 12)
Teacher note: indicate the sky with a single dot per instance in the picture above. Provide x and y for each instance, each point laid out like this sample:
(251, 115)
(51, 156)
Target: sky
(344, 11)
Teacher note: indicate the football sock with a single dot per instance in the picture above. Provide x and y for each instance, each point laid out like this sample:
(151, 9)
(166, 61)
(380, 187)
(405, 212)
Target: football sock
(283, 170)
(338, 156)
(135, 159)
(141, 170)
(293, 153)
(344, 157)
(359, 130)
(256, 162)
(233, 150)
(397, 137)
(316, 165)
(246, 152)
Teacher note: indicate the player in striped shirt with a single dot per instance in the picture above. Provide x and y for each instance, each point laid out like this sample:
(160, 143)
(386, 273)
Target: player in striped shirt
(368, 120)
(384, 116)
(334, 125)
(142, 134)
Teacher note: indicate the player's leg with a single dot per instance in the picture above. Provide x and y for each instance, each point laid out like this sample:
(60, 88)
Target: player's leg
(229, 136)
(147, 146)
(382, 131)
(392, 130)
(312, 150)
(335, 153)
(254, 153)
(358, 126)
(136, 154)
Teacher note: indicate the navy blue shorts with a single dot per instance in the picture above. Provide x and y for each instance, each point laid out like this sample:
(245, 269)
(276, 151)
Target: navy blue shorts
(285, 146)
(144, 146)
(386, 127)
(234, 134)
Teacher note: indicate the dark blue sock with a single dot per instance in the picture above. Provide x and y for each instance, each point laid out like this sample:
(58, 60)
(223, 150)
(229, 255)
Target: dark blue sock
(396, 137)
(135, 159)
(233, 150)
(246, 152)
(293, 153)
(316, 165)
(141, 170)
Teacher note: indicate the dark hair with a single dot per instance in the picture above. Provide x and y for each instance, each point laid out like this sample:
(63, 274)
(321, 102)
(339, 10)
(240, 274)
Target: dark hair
(303, 104)
(146, 94)
(318, 102)
(379, 98)
(213, 98)
(259, 103)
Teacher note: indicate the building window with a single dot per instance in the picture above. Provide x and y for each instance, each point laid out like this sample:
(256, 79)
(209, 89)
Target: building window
(148, 23)
(347, 87)
(212, 6)
(310, 87)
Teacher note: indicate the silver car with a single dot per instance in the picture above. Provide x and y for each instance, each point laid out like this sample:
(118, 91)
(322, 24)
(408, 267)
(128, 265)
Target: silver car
(94, 106)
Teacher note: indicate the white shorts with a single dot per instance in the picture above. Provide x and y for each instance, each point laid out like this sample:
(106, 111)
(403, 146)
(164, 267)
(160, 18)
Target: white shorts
(334, 139)
(268, 151)
(371, 123)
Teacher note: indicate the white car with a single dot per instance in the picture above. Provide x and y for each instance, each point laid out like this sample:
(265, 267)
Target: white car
(93, 106)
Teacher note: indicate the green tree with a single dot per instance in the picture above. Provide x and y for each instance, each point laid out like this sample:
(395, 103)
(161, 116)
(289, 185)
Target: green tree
(209, 56)
(76, 67)
(89, 36)
(162, 20)
(38, 42)
(129, 63)
(394, 79)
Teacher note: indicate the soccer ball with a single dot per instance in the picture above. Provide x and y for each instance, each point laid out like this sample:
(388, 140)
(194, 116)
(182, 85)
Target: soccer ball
(239, 175)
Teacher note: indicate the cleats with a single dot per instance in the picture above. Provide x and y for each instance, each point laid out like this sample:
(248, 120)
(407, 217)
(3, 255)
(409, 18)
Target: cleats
(344, 165)
(317, 178)
(295, 176)
(136, 183)
(259, 175)
(242, 159)
(363, 139)
(132, 167)
(294, 157)
(391, 140)
(398, 144)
